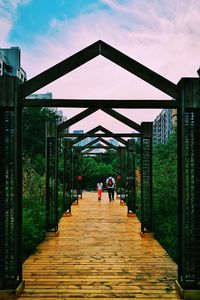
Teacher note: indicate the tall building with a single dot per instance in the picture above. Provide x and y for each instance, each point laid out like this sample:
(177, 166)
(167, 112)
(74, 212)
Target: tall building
(48, 95)
(164, 125)
(83, 142)
(114, 142)
(40, 96)
(10, 63)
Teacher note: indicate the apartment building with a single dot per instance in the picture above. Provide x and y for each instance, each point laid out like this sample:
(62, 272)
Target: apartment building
(10, 63)
(164, 124)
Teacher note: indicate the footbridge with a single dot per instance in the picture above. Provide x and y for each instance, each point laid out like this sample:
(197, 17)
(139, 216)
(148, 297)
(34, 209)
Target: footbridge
(99, 254)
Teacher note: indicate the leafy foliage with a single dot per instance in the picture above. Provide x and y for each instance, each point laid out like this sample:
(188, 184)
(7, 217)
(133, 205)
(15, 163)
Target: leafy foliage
(165, 195)
(33, 209)
(94, 171)
(34, 119)
(34, 188)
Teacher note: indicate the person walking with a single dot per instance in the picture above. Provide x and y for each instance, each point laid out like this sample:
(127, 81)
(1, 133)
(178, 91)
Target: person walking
(99, 189)
(111, 186)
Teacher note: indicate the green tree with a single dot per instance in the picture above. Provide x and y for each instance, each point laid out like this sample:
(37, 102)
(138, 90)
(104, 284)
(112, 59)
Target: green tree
(34, 119)
(33, 209)
(165, 195)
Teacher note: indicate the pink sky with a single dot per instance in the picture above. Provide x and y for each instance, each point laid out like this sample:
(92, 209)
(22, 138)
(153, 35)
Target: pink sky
(163, 35)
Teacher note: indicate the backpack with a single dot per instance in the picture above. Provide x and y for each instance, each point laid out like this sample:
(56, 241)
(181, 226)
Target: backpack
(110, 182)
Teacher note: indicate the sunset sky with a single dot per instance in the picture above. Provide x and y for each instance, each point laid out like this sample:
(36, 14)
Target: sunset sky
(163, 35)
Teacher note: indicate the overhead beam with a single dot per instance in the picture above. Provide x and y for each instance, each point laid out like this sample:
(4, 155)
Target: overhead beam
(98, 146)
(87, 134)
(104, 103)
(76, 118)
(88, 144)
(122, 118)
(139, 70)
(91, 144)
(104, 130)
(107, 143)
(89, 153)
(88, 54)
(103, 135)
(119, 139)
(59, 70)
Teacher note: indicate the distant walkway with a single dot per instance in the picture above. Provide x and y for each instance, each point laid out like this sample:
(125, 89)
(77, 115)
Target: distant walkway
(99, 254)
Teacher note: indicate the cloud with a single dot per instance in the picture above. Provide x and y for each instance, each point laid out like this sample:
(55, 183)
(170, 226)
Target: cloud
(6, 25)
(8, 7)
(8, 15)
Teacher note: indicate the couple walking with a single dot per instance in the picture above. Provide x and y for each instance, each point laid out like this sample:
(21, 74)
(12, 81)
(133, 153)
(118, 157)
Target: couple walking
(111, 186)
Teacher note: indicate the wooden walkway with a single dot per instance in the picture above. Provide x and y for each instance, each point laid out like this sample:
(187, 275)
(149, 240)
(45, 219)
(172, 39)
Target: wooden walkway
(99, 254)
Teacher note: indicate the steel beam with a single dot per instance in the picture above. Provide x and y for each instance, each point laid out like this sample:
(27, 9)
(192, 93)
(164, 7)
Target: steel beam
(98, 103)
(76, 118)
(119, 139)
(59, 69)
(99, 128)
(107, 143)
(103, 135)
(83, 136)
(89, 53)
(98, 146)
(139, 70)
(88, 144)
(122, 118)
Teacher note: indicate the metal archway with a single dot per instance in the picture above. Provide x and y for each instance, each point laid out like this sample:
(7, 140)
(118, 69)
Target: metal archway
(187, 101)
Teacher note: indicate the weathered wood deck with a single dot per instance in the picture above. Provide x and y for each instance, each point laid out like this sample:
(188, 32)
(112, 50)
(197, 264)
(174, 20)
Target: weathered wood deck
(99, 254)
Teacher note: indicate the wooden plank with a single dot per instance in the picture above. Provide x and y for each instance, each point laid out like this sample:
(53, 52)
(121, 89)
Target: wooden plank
(99, 254)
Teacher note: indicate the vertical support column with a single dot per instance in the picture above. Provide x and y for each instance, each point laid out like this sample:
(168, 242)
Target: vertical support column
(76, 168)
(51, 178)
(189, 188)
(10, 189)
(79, 176)
(146, 177)
(80, 184)
(131, 177)
(67, 177)
(122, 165)
(122, 156)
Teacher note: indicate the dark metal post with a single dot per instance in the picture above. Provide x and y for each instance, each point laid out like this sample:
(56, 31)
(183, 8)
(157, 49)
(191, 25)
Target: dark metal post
(131, 177)
(122, 173)
(75, 173)
(189, 187)
(67, 176)
(10, 187)
(123, 165)
(146, 177)
(79, 174)
(51, 177)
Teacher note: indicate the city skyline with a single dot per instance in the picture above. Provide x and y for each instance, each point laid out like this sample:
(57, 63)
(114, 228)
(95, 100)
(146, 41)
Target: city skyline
(162, 35)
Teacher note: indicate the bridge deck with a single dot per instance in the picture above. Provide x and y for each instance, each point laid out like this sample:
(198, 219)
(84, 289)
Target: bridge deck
(99, 254)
